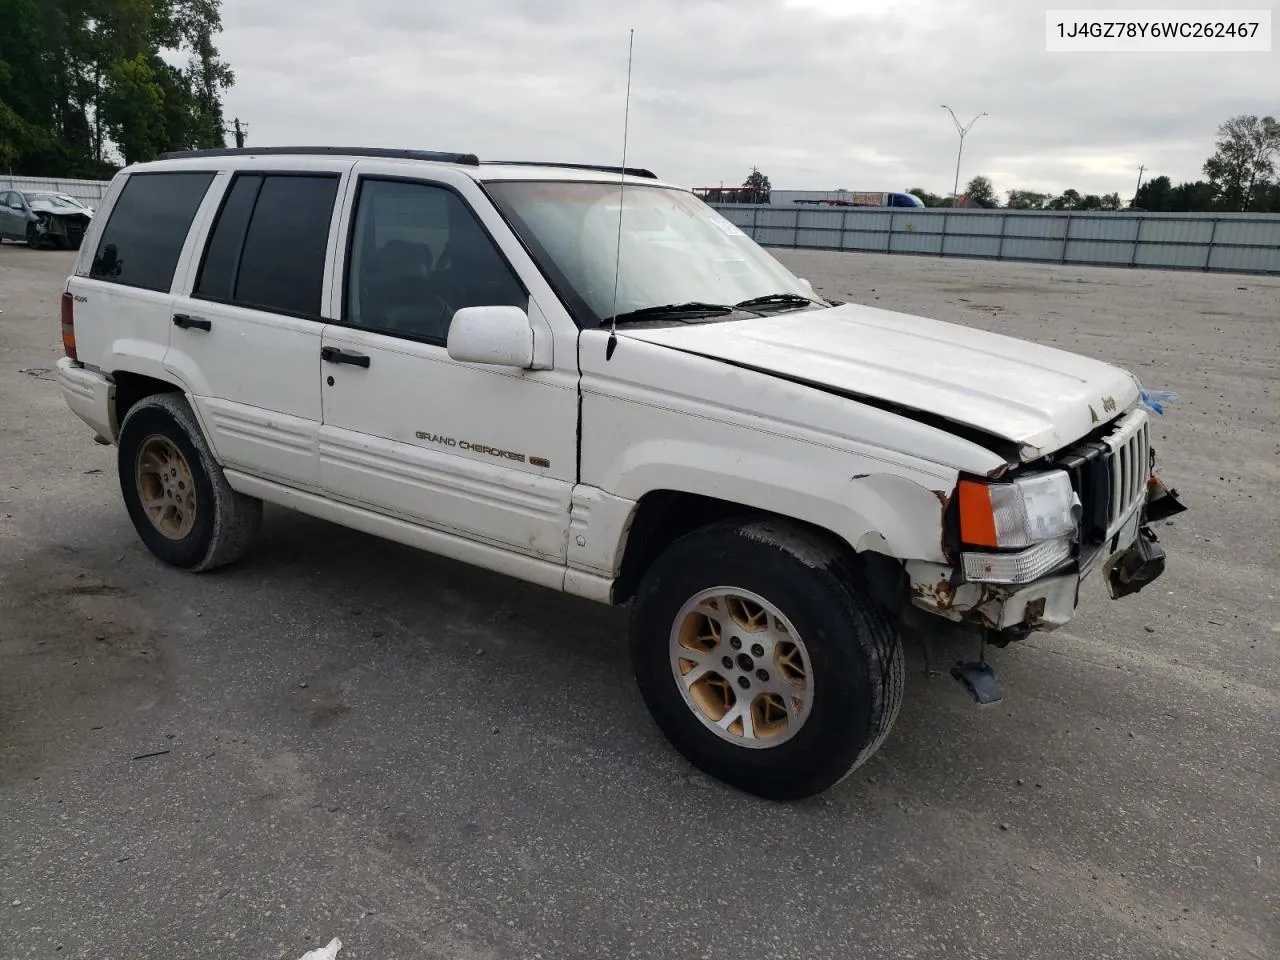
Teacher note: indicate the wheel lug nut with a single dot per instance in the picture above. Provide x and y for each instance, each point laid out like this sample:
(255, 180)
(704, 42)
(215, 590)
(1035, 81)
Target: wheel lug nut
(763, 675)
(757, 650)
(735, 642)
(728, 663)
(743, 682)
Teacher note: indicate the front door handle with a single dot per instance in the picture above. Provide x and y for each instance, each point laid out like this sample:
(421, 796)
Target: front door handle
(188, 322)
(334, 355)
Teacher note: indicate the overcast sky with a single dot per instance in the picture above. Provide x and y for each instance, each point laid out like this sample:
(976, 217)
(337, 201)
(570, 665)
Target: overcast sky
(818, 93)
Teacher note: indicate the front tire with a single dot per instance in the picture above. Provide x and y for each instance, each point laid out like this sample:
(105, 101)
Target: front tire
(177, 497)
(763, 659)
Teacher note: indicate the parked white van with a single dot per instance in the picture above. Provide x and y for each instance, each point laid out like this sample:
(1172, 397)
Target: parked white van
(587, 378)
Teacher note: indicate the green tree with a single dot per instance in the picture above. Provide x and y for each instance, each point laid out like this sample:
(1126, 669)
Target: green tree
(83, 82)
(981, 193)
(132, 107)
(1156, 194)
(1026, 200)
(1069, 199)
(758, 181)
(1194, 197)
(1245, 156)
(927, 198)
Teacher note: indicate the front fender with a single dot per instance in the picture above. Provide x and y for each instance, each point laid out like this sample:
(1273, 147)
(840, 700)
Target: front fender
(883, 512)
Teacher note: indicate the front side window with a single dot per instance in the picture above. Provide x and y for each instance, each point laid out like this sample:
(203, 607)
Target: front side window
(148, 226)
(675, 248)
(267, 247)
(418, 255)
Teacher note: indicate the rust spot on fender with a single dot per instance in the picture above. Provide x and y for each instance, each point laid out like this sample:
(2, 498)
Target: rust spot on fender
(940, 595)
(944, 497)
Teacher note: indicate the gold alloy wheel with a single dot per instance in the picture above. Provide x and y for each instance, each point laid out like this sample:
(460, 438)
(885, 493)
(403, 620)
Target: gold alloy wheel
(165, 486)
(741, 667)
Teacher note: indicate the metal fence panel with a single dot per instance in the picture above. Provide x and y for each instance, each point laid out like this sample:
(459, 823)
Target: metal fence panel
(1253, 233)
(818, 237)
(1247, 243)
(1037, 225)
(830, 219)
(1104, 228)
(1186, 256)
(969, 246)
(988, 226)
(915, 243)
(1176, 231)
(1098, 251)
(776, 236)
(867, 221)
(1030, 248)
(866, 240)
(776, 217)
(1251, 259)
(910, 223)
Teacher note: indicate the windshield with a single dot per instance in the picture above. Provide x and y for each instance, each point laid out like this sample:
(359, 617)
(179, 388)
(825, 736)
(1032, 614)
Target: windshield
(54, 199)
(675, 248)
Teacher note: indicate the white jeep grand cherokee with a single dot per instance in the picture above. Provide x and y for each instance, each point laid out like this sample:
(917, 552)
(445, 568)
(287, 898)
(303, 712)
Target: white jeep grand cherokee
(446, 353)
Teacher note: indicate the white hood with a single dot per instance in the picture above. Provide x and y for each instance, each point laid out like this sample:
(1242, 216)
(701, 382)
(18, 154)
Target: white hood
(1039, 397)
(59, 210)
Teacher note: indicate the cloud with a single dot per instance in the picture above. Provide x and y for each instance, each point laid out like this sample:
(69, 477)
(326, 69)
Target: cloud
(817, 93)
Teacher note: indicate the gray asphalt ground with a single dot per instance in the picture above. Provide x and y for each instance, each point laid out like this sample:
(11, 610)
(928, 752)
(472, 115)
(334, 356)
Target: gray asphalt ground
(433, 762)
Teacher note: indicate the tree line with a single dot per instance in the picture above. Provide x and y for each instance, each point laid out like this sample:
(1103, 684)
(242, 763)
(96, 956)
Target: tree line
(86, 85)
(1240, 176)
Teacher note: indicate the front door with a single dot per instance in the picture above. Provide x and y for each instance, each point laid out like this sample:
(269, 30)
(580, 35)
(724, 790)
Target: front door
(485, 452)
(247, 330)
(13, 217)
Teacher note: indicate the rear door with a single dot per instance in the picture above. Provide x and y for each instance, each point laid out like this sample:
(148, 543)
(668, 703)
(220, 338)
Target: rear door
(247, 320)
(486, 452)
(124, 280)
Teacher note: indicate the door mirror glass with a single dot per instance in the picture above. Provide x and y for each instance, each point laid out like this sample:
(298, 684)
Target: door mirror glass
(501, 336)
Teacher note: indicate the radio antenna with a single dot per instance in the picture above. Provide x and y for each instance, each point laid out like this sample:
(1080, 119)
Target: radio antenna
(622, 189)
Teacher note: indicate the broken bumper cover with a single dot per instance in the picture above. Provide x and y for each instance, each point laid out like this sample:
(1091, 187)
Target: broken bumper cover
(1130, 559)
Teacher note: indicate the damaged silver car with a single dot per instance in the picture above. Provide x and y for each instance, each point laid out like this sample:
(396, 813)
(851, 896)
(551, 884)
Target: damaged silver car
(43, 219)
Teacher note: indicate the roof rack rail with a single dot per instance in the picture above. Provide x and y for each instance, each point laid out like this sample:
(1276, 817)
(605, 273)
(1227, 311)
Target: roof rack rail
(438, 156)
(630, 171)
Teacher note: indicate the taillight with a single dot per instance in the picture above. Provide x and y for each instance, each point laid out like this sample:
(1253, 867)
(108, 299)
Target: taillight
(68, 325)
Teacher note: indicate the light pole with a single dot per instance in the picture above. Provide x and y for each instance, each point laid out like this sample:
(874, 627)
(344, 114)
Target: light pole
(962, 130)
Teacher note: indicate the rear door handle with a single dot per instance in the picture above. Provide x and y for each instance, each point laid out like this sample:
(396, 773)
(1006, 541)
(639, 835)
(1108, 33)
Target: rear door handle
(188, 322)
(334, 355)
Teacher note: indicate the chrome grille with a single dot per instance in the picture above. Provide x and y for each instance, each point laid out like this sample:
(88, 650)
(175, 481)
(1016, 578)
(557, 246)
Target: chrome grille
(1130, 466)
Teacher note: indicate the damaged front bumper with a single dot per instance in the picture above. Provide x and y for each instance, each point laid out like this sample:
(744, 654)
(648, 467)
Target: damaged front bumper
(1130, 559)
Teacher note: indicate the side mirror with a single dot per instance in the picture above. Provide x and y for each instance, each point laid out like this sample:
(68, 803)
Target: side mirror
(501, 336)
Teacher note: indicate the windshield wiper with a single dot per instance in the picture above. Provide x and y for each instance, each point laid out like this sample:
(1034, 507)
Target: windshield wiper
(779, 298)
(692, 308)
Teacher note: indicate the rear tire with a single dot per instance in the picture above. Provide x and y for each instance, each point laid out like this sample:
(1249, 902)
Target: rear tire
(797, 674)
(176, 494)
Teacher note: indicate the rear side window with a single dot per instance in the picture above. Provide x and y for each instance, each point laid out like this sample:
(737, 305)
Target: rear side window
(143, 238)
(267, 249)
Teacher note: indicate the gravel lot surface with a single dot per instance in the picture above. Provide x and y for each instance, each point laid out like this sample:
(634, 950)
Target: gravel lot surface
(353, 739)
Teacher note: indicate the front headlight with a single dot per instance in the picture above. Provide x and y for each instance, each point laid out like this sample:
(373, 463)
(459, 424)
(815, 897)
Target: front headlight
(1020, 513)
